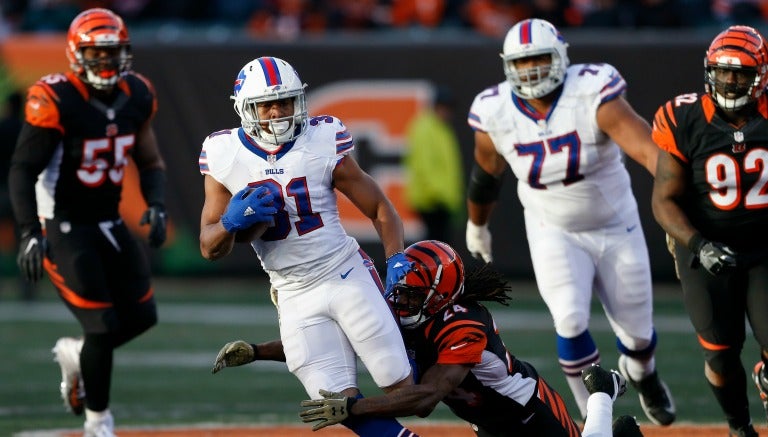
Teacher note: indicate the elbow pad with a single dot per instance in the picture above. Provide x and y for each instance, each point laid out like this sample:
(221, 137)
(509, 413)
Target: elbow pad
(483, 187)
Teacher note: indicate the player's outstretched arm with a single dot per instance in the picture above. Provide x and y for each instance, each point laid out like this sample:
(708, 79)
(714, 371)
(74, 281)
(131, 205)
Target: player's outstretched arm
(413, 400)
(630, 131)
(239, 352)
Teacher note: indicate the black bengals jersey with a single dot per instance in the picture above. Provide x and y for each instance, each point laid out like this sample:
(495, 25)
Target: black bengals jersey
(494, 393)
(80, 144)
(727, 196)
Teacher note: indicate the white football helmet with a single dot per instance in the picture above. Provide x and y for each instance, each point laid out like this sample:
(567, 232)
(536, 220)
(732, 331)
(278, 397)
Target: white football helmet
(534, 37)
(267, 79)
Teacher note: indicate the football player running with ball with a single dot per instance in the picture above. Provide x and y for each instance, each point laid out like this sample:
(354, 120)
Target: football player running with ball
(283, 167)
(710, 196)
(562, 130)
(462, 361)
(80, 129)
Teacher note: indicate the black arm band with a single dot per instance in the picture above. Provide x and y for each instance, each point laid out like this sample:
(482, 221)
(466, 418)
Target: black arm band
(255, 351)
(694, 244)
(483, 187)
(351, 400)
(152, 183)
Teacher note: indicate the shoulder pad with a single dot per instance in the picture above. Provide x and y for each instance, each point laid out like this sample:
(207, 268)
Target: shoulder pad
(41, 108)
(327, 128)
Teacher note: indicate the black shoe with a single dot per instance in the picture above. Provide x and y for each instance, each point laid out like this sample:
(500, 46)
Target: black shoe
(598, 380)
(626, 426)
(743, 431)
(655, 397)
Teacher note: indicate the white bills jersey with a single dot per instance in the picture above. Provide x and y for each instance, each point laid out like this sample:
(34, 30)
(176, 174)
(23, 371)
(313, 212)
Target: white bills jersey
(307, 230)
(328, 291)
(570, 173)
(581, 219)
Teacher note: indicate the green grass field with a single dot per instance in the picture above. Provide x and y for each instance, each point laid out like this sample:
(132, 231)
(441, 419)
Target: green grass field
(163, 378)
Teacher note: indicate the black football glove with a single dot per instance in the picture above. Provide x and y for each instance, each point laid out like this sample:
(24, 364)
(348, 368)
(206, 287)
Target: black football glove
(154, 216)
(32, 251)
(717, 258)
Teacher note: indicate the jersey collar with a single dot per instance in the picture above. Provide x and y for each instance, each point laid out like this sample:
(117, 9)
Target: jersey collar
(254, 147)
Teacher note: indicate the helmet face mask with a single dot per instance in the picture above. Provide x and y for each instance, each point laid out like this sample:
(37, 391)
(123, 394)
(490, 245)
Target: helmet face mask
(98, 48)
(736, 67)
(408, 304)
(270, 82)
(534, 38)
(436, 281)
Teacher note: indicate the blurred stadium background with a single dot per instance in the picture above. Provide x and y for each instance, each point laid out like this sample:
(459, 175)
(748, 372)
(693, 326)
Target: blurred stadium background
(374, 75)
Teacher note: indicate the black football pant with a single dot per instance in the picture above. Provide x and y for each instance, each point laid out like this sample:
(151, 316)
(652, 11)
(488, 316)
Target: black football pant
(717, 306)
(103, 276)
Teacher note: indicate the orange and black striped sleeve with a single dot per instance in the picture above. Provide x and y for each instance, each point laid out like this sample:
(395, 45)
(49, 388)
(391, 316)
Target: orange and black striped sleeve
(664, 124)
(461, 342)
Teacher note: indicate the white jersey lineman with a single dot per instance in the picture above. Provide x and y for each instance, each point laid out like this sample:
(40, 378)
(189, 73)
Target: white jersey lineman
(581, 217)
(329, 291)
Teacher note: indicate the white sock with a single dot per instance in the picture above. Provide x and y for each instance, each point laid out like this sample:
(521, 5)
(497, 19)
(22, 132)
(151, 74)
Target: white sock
(94, 416)
(639, 369)
(580, 393)
(599, 421)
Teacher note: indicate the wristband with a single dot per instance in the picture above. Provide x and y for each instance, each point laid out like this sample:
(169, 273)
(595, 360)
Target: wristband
(255, 351)
(694, 244)
(351, 400)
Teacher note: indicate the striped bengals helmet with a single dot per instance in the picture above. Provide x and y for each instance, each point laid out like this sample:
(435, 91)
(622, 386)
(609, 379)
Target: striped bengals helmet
(434, 282)
(741, 49)
(102, 28)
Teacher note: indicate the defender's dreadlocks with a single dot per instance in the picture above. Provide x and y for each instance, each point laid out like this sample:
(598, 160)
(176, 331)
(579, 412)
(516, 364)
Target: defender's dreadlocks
(485, 284)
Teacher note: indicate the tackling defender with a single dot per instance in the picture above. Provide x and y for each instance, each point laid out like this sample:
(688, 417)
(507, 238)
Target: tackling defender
(462, 361)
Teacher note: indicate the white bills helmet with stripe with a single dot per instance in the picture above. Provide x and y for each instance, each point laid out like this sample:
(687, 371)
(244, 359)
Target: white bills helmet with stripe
(268, 79)
(534, 37)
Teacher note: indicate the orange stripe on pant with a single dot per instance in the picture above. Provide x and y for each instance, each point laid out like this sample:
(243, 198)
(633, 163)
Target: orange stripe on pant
(68, 294)
(712, 346)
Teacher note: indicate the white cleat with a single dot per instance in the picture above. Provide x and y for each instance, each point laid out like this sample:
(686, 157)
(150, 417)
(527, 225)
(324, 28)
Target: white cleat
(66, 352)
(102, 427)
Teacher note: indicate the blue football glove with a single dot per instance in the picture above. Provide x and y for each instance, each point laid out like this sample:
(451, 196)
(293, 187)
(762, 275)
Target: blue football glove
(248, 207)
(397, 267)
(154, 216)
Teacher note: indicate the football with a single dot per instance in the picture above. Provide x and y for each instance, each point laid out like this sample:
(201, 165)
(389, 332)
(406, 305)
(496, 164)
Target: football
(252, 233)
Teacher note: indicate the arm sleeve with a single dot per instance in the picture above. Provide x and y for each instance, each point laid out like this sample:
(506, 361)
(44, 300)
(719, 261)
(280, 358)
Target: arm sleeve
(152, 183)
(33, 152)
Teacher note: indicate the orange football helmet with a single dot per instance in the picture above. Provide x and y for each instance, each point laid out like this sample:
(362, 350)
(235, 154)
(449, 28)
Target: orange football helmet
(100, 28)
(434, 282)
(743, 50)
